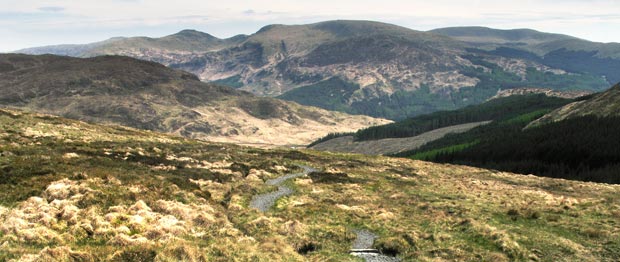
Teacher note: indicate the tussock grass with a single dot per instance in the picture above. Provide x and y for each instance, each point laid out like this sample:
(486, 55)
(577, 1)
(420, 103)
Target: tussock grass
(110, 201)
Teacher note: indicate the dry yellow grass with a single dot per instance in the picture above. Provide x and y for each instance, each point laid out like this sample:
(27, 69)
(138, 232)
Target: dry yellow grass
(110, 201)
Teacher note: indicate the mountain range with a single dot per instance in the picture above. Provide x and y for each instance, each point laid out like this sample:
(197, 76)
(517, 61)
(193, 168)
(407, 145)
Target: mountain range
(146, 95)
(373, 68)
(110, 151)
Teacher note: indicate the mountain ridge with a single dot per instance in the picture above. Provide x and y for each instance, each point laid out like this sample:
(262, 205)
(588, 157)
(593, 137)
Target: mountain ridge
(537, 41)
(148, 95)
(392, 71)
(507, 35)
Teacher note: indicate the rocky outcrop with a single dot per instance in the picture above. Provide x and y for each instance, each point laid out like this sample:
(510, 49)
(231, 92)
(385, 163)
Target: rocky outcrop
(537, 90)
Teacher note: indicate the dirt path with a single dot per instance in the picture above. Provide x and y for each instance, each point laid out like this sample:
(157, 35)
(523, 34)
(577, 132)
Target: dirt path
(362, 247)
(265, 201)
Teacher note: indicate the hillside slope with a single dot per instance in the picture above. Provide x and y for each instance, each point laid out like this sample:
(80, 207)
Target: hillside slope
(371, 68)
(76, 191)
(389, 146)
(553, 50)
(186, 41)
(540, 43)
(502, 108)
(146, 95)
(491, 38)
(576, 141)
(605, 104)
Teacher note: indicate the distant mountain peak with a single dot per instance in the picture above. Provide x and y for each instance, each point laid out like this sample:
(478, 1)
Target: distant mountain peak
(191, 33)
(269, 28)
(116, 38)
(341, 27)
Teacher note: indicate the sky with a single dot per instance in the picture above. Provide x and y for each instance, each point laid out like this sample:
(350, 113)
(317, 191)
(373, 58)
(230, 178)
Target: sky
(30, 23)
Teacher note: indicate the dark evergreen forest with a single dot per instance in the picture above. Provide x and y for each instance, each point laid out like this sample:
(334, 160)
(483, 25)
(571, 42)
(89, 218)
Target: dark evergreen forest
(496, 109)
(585, 148)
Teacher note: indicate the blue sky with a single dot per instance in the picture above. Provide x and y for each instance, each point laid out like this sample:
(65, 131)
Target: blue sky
(28, 23)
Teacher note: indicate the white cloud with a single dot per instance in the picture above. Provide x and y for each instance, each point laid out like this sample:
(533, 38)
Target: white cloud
(51, 9)
(33, 22)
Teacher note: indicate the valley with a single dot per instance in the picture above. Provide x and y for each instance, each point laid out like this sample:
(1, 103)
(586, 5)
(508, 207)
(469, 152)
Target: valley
(337, 140)
(150, 96)
(73, 190)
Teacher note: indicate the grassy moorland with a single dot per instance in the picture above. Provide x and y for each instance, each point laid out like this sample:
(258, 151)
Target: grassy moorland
(72, 191)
